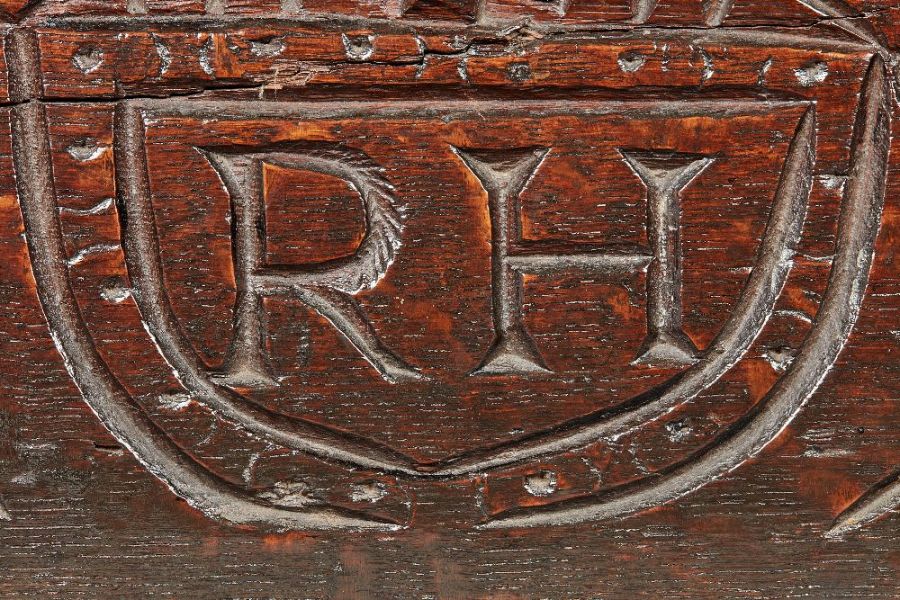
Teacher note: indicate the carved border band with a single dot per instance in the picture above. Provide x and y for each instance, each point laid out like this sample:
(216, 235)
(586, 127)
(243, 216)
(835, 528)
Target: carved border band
(859, 220)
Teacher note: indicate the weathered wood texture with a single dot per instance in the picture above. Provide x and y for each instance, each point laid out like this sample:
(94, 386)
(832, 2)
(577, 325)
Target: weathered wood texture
(449, 299)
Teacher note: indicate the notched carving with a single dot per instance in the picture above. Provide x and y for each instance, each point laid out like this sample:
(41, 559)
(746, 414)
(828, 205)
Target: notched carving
(87, 59)
(326, 287)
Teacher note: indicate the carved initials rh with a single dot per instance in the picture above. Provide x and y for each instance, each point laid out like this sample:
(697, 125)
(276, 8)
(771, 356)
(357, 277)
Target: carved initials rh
(504, 175)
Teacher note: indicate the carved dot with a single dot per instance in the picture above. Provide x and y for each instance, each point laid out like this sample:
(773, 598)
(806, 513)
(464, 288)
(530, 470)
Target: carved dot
(541, 484)
(811, 74)
(780, 358)
(519, 72)
(136, 7)
(358, 47)
(86, 150)
(631, 62)
(267, 48)
(292, 494)
(679, 430)
(371, 492)
(87, 59)
(833, 182)
(115, 294)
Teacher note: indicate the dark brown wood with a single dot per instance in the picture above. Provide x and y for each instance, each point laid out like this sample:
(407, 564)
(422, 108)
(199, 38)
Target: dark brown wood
(449, 299)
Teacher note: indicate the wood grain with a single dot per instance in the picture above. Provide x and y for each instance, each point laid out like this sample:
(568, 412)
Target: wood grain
(449, 299)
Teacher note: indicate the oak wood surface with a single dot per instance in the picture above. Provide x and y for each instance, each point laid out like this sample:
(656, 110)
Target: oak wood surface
(449, 299)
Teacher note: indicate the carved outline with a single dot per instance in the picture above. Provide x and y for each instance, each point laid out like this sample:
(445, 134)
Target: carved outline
(858, 226)
(143, 259)
(841, 19)
(748, 318)
(327, 287)
(103, 393)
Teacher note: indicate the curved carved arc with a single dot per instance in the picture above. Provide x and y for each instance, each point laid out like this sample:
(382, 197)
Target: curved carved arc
(857, 231)
(384, 225)
(751, 312)
(874, 504)
(124, 418)
(143, 259)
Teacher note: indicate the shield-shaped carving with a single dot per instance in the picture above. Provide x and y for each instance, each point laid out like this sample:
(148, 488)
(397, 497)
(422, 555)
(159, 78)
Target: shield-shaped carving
(376, 299)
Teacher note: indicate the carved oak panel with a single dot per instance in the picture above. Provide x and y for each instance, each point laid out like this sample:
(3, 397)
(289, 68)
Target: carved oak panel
(449, 299)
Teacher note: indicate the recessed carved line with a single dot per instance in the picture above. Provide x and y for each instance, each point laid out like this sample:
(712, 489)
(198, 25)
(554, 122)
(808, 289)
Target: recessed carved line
(751, 312)
(101, 208)
(715, 11)
(143, 259)
(874, 504)
(642, 10)
(230, 109)
(124, 418)
(90, 251)
(858, 226)
(23, 57)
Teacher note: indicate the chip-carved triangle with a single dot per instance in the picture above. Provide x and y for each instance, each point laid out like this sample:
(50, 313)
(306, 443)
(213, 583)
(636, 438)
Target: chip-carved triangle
(716, 11)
